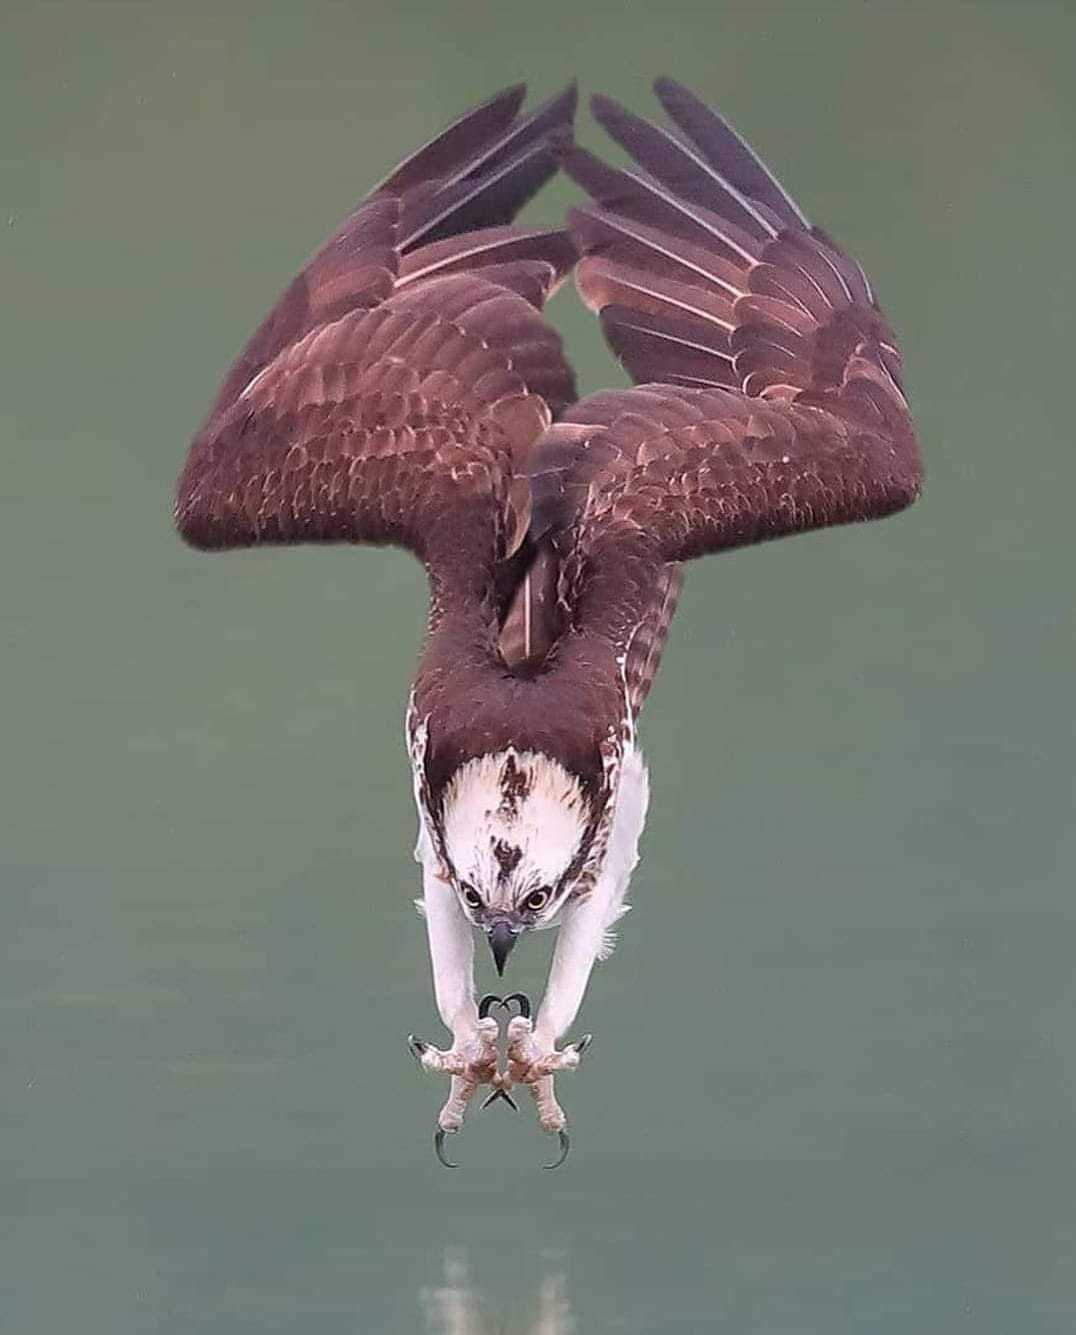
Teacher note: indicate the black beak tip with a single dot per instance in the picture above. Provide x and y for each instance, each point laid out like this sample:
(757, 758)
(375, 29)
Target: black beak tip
(501, 940)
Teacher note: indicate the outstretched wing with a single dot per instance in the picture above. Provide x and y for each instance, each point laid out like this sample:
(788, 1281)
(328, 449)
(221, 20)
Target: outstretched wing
(394, 392)
(772, 399)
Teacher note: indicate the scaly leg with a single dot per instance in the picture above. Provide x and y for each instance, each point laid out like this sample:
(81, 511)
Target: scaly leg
(471, 1061)
(533, 1058)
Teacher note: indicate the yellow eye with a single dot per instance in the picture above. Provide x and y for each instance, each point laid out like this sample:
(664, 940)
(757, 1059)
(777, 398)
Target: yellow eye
(471, 895)
(536, 900)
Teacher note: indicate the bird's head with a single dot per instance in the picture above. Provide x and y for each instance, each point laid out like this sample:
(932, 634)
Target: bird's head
(516, 831)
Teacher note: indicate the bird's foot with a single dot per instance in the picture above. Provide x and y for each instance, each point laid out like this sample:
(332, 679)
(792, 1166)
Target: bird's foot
(471, 1057)
(471, 1061)
(533, 1061)
(530, 1058)
(501, 1081)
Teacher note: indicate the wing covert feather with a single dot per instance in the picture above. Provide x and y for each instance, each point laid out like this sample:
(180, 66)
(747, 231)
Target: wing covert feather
(769, 396)
(772, 399)
(395, 390)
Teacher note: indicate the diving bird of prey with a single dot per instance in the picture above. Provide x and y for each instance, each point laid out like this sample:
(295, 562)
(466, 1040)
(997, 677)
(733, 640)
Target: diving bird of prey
(405, 389)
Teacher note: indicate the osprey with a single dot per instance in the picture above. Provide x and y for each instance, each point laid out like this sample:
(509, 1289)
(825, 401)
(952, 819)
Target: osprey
(405, 389)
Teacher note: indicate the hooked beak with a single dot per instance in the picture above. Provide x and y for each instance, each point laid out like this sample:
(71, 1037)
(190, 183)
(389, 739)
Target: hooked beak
(502, 937)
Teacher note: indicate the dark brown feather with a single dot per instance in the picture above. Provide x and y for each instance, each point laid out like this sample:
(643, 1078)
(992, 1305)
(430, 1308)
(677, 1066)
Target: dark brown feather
(773, 400)
(404, 387)
(490, 180)
(647, 644)
(395, 390)
(461, 142)
(680, 170)
(394, 394)
(724, 150)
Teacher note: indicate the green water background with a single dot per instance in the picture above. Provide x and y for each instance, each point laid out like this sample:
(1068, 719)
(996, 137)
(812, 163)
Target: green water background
(835, 1060)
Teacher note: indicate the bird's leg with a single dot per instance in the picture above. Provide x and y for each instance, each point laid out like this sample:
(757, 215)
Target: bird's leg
(471, 1061)
(533, 1057)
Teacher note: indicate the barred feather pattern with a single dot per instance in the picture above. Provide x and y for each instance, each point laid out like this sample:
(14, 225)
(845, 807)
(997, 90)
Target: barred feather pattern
(647, 644)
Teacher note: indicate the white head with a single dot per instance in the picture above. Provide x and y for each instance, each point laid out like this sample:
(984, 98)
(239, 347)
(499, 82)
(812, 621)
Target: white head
(516, 831)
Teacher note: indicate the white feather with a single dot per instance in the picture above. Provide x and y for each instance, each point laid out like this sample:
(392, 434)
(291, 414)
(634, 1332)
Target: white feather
(547, 823)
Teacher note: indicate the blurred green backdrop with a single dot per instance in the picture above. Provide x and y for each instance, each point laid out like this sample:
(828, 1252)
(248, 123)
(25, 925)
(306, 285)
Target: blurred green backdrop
(835, 1062)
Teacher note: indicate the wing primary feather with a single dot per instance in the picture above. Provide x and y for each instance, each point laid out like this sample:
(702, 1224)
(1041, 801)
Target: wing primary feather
(458, 142)
(595, 283)
(613, 313)
(487, 200)
(660, 243)
(670, 161)
(487, 247)
(822, 253)
(726, 150)
(553, 116)
(491, 185)
(577, 163)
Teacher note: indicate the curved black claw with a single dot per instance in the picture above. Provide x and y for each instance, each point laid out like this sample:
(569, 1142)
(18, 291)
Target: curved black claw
(581, 1045)
(565, 1146)
(522, 1001)
(502, 1094)
(439, 1147)
(416, 1046)
(491, 999)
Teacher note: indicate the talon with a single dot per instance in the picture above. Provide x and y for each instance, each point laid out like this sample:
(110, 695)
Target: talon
(582, 1044)
(439, 1147)
(417, 1046)
(565, 1146)
(487, 1003)
(501, 1094)
(522, 1000)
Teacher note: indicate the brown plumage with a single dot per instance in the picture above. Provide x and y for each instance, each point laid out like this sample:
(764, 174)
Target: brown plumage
(403, 376)
(772, 399)
(406, 389)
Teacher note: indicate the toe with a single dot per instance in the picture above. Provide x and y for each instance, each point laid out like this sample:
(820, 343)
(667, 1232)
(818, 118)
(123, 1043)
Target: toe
(519, 1027)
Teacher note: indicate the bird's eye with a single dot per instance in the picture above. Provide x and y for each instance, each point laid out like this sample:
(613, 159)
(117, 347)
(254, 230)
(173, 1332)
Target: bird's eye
(471, 895)
(536, 900)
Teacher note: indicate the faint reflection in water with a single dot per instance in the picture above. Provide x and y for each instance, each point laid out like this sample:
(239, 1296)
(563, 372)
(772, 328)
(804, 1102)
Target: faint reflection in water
(456, 1307)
